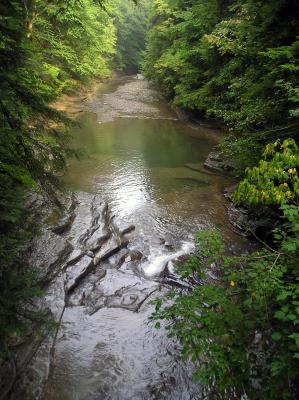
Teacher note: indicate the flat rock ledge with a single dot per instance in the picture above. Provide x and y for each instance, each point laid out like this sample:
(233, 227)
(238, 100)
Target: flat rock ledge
(246, 222)
(64, 257)
(215, 162)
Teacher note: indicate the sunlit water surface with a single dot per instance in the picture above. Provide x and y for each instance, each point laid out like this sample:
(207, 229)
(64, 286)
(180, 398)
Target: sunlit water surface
(135, 153)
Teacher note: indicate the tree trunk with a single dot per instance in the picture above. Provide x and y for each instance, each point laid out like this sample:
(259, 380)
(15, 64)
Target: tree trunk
(30, 7)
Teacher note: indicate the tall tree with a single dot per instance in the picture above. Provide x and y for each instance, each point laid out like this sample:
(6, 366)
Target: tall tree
(131, 24)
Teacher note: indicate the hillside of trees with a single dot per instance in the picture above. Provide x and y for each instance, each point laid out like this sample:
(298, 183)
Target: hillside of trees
(234, 61)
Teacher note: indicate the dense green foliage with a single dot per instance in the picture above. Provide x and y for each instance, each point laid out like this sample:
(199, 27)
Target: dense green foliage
(242, 333)
(236, 61)
(42, 54)
(275, 180)
(131, 25)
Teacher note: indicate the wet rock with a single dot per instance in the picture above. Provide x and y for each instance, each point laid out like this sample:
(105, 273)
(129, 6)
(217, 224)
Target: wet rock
(175, 281)
(214, 156)
(77, 272)
(133, 98)
(237, 215)
(33, 357)
(96, 244)
(54, 299)
(247, 222)
(111, 247)
(181, 114)
(215, 162)
(99, 274)
(229, 191)
(136, 255)
(130, 262)
(129, 300)
(69, 216)
(181, 259)
(129, 229)
(259, 222)
(75, 256)
(165, 271)
(39, 209)
(200, 168)
(29, 384)
(99, 221)
(88, 291)
(64, 225)
(77, 297)
(119, 258)
(119, 290)
(238, 218)
(100, 303)
(169, 245)
(115, 283)
(48, 253)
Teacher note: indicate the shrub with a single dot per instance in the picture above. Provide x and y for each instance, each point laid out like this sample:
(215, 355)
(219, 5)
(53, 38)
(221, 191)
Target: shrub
(241, 333)
(275, 180)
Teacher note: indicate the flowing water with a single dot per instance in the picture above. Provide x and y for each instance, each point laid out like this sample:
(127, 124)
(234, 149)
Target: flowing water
(137, 159)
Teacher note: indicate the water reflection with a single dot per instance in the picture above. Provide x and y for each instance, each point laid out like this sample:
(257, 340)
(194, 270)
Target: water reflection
(130, 187)
(138, 164)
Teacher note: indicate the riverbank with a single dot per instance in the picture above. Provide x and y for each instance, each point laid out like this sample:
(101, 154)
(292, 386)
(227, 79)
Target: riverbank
(72, 103)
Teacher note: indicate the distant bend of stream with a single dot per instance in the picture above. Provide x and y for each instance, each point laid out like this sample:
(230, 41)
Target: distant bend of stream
(140, 192)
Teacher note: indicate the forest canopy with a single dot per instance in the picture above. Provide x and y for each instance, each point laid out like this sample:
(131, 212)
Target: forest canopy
(233, 61)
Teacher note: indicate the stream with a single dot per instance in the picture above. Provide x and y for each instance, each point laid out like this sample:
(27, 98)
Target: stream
(141, 192)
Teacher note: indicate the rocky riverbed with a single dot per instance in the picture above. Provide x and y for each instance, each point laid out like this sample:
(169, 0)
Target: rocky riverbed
(91, 268)
(139, 194)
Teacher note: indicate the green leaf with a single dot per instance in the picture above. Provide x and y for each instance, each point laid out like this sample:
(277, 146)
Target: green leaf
(276, 336)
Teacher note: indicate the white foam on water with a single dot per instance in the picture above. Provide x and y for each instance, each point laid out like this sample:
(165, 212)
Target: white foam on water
(157, 263)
